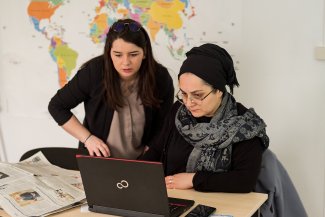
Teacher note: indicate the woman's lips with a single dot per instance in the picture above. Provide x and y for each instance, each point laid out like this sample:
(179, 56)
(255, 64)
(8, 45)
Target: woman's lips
(127, 70)
(194, 110)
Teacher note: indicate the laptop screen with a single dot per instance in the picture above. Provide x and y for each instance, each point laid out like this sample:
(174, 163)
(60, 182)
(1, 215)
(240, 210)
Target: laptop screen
(124, 187)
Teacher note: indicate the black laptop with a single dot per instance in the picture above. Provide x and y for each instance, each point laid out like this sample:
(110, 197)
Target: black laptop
(128, 188)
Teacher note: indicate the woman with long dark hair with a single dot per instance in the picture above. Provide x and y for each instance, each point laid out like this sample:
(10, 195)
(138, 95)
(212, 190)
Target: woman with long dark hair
(126, 95)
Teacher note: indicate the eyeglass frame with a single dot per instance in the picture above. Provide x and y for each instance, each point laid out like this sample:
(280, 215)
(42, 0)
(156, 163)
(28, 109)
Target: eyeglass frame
(126, 26)
(191, 98)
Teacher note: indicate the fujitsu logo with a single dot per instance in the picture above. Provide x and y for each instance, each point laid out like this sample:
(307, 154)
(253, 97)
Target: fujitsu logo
(122, 184)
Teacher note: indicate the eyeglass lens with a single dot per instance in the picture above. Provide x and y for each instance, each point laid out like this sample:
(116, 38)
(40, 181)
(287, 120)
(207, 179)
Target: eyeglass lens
(120, 27)
(181, 97)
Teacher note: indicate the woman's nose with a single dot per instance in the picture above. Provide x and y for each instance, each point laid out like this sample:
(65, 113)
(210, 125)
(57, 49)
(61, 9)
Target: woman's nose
(189, 100)
(126, 60)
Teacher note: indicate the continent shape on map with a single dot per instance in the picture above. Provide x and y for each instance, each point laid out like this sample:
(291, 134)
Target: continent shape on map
(156, 16)
(64, 56)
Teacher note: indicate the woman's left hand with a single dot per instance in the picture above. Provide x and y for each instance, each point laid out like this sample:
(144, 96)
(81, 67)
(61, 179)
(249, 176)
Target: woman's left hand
(180, 181)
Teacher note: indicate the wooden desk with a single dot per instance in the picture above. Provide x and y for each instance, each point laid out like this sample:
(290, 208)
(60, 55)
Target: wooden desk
(237, 205)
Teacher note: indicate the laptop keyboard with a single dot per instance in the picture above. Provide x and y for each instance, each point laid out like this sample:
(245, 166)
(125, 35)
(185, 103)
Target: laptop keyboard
(173, 207)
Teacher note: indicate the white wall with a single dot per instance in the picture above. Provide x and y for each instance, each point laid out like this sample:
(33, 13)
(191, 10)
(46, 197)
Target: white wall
(279, 77)
(282, 80)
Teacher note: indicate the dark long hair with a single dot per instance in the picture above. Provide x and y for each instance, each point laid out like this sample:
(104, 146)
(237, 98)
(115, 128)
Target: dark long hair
(146, 82)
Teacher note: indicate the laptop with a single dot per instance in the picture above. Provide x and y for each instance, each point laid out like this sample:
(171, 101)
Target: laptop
(128, 188)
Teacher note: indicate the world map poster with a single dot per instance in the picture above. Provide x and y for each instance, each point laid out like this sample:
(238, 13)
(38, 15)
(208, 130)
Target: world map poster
(44, 42)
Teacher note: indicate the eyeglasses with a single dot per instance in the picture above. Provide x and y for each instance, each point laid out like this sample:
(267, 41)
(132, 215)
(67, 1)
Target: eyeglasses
(121, 27)
(194, 98)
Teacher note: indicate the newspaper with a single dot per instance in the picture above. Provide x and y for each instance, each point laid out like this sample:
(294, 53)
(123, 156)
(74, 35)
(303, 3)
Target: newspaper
(35, 187)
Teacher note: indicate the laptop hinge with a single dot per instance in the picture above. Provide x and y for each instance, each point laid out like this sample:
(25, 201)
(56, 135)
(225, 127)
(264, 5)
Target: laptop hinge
(121, 212)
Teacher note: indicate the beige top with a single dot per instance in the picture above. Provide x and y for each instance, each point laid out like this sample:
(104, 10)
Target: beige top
(124, 138)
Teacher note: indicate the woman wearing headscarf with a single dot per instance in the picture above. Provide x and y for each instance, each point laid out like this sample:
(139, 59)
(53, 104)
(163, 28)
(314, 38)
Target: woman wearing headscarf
(209, 141)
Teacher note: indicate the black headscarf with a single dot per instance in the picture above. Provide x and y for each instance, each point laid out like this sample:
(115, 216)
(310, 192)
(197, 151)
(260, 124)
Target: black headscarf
(213, 64)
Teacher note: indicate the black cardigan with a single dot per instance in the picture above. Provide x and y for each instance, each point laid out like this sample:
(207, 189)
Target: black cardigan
(87, 87)
(174, 151)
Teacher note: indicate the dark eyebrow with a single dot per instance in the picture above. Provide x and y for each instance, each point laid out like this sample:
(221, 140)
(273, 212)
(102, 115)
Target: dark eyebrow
(195, 91)
(132, 52)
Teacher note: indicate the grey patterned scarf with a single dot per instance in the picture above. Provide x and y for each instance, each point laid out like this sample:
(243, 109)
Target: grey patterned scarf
(213, 141)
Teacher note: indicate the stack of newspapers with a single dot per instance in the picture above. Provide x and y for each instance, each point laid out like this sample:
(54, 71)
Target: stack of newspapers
(35, 187)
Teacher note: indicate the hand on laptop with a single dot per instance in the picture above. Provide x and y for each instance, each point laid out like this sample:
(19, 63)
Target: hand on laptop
(96, 147)
(180, 181)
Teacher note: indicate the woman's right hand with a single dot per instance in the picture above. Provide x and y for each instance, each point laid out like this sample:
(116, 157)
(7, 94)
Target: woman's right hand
(96, 147)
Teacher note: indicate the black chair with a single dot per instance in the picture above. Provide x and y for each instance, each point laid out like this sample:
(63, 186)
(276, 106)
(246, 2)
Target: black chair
(59, 156)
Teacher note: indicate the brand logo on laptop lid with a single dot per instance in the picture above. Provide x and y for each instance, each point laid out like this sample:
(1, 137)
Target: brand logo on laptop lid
(122, 184)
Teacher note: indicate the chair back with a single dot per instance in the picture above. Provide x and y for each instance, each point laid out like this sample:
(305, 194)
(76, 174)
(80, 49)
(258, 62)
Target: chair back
(60, 156)
(283, 199)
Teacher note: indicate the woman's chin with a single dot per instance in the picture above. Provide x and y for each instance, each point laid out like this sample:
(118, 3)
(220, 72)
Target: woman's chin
(196, 114)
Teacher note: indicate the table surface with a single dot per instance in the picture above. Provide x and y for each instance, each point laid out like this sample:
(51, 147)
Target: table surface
(236, 205)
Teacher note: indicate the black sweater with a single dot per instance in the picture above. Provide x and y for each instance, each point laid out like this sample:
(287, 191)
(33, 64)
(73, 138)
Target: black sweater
(174, 151)
(87, 87)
